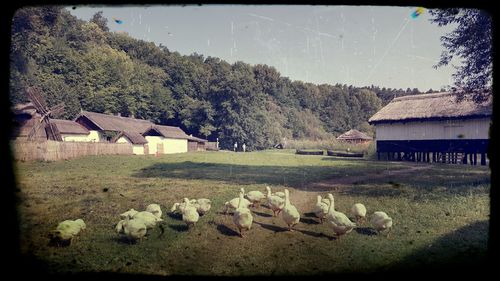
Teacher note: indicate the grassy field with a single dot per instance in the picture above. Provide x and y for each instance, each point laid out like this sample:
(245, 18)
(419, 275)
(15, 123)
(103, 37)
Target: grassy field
(440, 213)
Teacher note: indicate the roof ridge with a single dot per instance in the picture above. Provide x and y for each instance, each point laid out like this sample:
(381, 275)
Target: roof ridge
(115, 116)
(423, 96)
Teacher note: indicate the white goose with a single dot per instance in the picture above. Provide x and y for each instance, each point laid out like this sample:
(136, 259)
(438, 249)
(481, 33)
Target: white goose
(274, 202)
(189, 214)
(154, 209)
(290, 214)
(255, 197)
(277, 193)
(178, 207)
(233, 204)
(321, 209)
(134, 229)
(128, 214)
(242, 216)
(338, 221)
(203, 205)
(148, 218)
(358, 210)
(381, 221)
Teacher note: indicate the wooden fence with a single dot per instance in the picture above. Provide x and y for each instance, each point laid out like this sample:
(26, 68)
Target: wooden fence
(211, 145)
(54, 150)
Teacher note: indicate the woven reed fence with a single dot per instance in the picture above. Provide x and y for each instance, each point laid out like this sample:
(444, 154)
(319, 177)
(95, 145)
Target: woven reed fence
(54, 150)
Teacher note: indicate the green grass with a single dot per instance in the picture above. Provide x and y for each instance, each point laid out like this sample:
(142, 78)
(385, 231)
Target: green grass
(440, 214)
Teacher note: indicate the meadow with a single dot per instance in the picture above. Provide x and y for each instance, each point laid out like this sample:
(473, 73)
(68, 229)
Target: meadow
(440, 214)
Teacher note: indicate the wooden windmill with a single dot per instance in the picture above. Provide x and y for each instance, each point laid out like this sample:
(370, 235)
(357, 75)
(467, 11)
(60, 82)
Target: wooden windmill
(45, 113)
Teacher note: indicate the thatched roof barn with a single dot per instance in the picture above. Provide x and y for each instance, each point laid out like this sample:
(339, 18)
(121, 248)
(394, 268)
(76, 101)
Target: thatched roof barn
(433, 123)
(439, 106)
(354, 136)
(105, 122)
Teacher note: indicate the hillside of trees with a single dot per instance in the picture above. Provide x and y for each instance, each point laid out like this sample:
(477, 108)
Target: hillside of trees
(88, 67)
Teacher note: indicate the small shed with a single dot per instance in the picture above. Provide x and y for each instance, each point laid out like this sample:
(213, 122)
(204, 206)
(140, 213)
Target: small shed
(166, 139)
(196, 144)
(138, 142)
(354, 136)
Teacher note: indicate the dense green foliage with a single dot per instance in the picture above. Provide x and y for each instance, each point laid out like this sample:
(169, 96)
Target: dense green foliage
(87, 67)
(471, 41)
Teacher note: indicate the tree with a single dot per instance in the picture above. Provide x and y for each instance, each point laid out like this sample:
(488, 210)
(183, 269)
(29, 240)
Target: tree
(101, 21)
(471, 41)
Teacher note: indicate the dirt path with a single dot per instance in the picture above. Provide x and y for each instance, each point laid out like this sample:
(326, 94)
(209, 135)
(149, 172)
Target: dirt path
(306, 198)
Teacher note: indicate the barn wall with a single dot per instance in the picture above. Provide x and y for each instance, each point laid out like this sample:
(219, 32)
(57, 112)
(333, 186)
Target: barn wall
(434, 130)
(175, 145)
(153, 142)
(94, 136)
(75, 138)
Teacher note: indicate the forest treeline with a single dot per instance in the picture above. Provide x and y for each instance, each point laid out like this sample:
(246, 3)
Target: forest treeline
(84, 65)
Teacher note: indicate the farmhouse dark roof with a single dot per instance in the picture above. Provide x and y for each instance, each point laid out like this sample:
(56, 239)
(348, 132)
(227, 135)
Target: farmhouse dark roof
(353, 135)
(191, 138)
(168, 132)
(116, 123)
(430, 106)
(134, 137)
(69, 127)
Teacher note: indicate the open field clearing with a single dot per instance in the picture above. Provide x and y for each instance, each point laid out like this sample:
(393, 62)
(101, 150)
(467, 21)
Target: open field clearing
(440, 214)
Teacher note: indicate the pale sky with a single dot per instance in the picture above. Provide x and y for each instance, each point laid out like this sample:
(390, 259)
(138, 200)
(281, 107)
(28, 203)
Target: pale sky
(354, 45)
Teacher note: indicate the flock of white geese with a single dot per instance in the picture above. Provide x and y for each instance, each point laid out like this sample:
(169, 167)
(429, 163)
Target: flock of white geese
(134, 225)
(279, 203)
(324, 209)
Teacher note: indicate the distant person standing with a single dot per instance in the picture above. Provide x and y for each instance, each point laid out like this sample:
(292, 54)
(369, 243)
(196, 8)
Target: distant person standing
(244, 147)
(235, 146)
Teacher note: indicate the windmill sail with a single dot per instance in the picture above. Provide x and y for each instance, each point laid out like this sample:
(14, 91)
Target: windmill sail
(41, 107)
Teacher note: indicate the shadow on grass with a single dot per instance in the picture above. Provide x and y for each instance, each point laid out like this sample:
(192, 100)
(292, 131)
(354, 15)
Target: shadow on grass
(175, 216)
(225, 230)
(308, 221)
(271, 227)
(315, 234)
(463, 249)
(366, 231)
(447, 180)
(260, 214)
(179, 227)
(294, 176)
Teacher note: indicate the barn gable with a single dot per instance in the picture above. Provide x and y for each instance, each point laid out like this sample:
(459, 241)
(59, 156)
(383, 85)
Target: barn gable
(133, 137)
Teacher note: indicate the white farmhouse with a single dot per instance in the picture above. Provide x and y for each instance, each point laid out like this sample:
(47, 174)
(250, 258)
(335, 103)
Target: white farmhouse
(166, 140)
